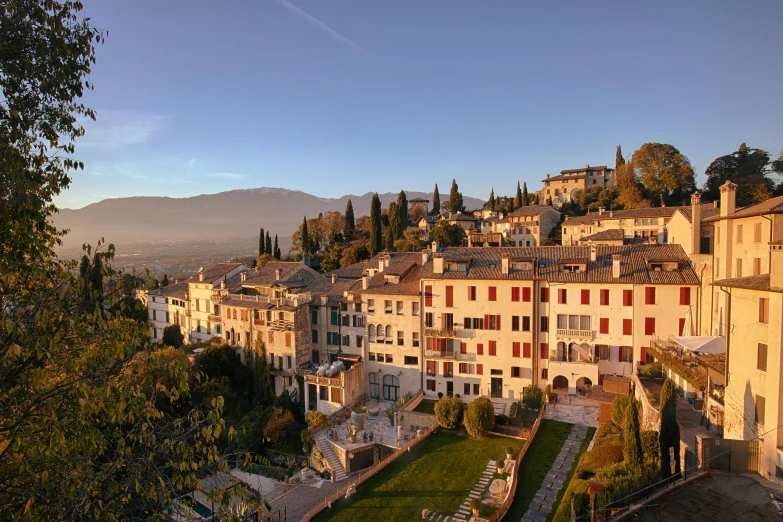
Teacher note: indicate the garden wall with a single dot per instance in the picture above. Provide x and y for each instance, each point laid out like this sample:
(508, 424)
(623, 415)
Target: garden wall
(414, 420)
(651, 417)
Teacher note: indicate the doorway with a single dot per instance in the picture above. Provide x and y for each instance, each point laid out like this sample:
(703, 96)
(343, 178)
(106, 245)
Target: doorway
(496, 388)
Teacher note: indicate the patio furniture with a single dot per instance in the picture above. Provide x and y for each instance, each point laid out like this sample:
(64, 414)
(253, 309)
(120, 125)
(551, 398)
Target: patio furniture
(496, 487)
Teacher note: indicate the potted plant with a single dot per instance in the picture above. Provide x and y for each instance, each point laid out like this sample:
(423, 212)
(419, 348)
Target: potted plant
(509, 453)
(475, 504)
(501, 464)
(359, 415)
(425, 513)
(352, 432)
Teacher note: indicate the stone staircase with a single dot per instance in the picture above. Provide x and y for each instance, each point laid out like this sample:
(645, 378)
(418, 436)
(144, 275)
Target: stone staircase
(337, 469)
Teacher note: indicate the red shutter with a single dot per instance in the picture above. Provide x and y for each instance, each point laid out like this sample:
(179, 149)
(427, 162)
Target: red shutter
(649, 295)
(463, 348)
(649, 325)
(445, 368)
(479, 349)
(515, 349)
(562, 296)
(586, 297)
(526, 350)
(493, 293)
(627, 327)
(479, 369)
(545, 295)
(526, 294)
(604, 297)
(486, 322)
(515, 293)
(545, 350)
(493, 348)
(498, 322)
(643, 354)
(685, 295)
(627, 297)
(449, 296)
(604, 322)
(428, 295)
(596, 350)
(682, 326)
(443, 321)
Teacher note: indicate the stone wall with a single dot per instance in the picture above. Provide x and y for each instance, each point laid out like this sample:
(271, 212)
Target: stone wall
(413, 420)
(651, 417)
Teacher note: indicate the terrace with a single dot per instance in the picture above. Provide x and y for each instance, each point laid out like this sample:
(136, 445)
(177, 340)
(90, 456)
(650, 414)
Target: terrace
(685, 357)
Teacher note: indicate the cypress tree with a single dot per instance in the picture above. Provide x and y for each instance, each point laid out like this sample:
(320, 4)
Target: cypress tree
(669, 436)
(491, 201)
(402, 213)
(525, 195)
(84, 267)
(376, 239)
(261, 242)
(276, 250)
(618, 157)
(518, 198)
(455, 198)
(549, 201)
(632, 439)
(435, 202)
(394, 226)
(350, 222)
(263, 392)
(165, 281)
(268, 248)
(305, 238)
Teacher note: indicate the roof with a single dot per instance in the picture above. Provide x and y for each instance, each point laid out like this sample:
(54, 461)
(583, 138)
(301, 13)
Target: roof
(577, 173)
(707, 211)
(777, 242)
(648, 212)
(598, 394)
(755, 282)
(214, 273)
(353, 271)
(702, 344)
(586, 168)
(617, 378)
(716, 361)
(531, 210)
(485, 263)
(175, 290)
(460, 217)
(613, 234)
(770, 206)
(267, 275)
(419, 200)
(408, 285)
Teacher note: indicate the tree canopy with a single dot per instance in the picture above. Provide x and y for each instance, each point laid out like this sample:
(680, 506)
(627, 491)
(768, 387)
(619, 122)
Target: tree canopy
(435, 201)
(376, 238)
(448, 235)
(748, 168)
(350, 223)
(665, 173)
(455, 198)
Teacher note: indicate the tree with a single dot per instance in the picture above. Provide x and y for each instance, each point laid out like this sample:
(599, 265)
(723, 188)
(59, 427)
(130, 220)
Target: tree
(261, 244)
(618, 157)
(632, 443)
(268, 245)
(479, 418)
(448, 235)
(306, 247)
(392, 231)
(455, 198)
(350, 224)
(263, 387)
(165, 281)
(376, 239)
(448, 412)
(276, 249)
(491, 200)
(402, 211)
(435, 202)
(525, 195)
(669, 436)
(172, 336)
(629, 190)
(748, 168)
(549, 201)
(665, 173)
(518, 197)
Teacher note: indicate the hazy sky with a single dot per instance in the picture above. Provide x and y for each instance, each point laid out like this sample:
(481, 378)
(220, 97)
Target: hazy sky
(334, 97)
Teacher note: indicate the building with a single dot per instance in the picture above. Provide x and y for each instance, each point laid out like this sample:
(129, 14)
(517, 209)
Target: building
(526, 226)
(168, 306)
(561, 188)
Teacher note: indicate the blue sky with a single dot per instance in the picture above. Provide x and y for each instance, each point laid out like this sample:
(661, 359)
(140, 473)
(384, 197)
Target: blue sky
(334, 97)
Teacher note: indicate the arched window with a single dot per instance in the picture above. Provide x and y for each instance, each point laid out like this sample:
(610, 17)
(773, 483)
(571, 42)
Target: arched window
(375, 388)
(379, 330)
(391, 387)
(235, 313)
(228, 313)
(371, 331)
(388, 333)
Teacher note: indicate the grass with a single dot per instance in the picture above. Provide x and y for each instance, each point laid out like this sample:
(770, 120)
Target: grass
(570, 475)
(426, 406)
(437, 474)
(536, 464)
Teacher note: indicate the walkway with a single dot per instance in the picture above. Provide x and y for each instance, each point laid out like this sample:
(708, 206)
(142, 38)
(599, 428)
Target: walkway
(573, 410)
(465, 513)
(337, 469)
(690, 424)
(300, 500)
(553, 482)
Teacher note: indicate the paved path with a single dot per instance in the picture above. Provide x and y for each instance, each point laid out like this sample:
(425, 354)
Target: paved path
(465, 513)
(298, 501)
(579, 411)
(554, 480)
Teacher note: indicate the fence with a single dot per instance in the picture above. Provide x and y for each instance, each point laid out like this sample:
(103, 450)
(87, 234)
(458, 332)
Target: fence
(366, 475)
(503, 509)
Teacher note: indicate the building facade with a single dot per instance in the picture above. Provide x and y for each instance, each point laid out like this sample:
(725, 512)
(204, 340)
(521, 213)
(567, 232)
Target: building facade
(561, 188)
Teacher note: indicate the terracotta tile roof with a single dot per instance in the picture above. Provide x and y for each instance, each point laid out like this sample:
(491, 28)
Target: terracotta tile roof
(617, 378)
(576, 173)
(613, 234)
(485, 263)
(585, 169)
(531, 210)
(707, 211)
(598, 394)
(777, 242)
(408, 285)
(756, 282)
(214, 273)
(175, 291)
(266, 275)
(771, 206)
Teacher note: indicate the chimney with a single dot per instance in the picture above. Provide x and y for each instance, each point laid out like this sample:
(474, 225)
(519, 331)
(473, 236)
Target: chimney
(601, 211)
(365, 281)
(715, 204)
(381, 264)
(223, 284)
(728, 198)
(696, 223)
(437, 263)
(334, 278)
(425, 255)
(504, 264)
(611, 213)
(242, 276)
(615, 266)
(277, 274)
(776, 266)
(593, 252)
(434, 246)
(547, 176)
(201, 276)
(386, 260)
(324, 300)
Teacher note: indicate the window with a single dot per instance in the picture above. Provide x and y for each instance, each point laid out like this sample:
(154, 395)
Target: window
(471, 293)
(371, 305)
(323, 393)
(411, 360)
(526, 323)
(562, 296)
(475, 389)
(545, 295)
(464, 368)
(415, 309)
(761, 358)
(479, 349)
(415, 339)
(391, 387)
(514, 293)
(346, 340)
(515, 323)
(585, 297)
(526, 295)
(627, 297)
(431, 385)
(493, 348)
(739, 267)
(400, 304)
(649, 295)
(374, 385)
(526, 349)
(359, 339)
(604, 297)
(544, 324)
(333, 317)
(449, 296)
(315, 336)
(544, 351)
(760, 406)
(288, 361)
(154, 315)
(466, 389)
(626, 354)
(479, 369)
(493, 293)
(764, 310)
(448, 321)
(757, 233)
(400, 338)
(604, 325)
(649, 325)
(685, 295)
(387, 306)
(603, 352)
(515, 350)
(432, 368)
(756, 266)
(346, 320)
(627, 327)
(739, 234)
(428, 295)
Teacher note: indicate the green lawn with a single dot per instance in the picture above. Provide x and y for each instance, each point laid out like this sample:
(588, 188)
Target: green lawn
(437, 475)
(536, 463)
(582, 449)
(426, 406)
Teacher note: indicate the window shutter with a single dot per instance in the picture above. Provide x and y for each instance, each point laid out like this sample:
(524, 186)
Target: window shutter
(479, 369)
(498, 322)
(445, 368)
(604, 322)
(493, 293)
(627, 327)
(649, 295)
(492, 348)
(428, 295)
(685, 295)
(627, 297)
(585, 297)
(545, 350)
(515, 350)
(526, 294)
(649, 325)
(682, 326)
(449, 296)
(486, 321)
(604, 297)
(545, 295)
(443, 321)
(515, 293)
(562, 296)
(643, 354)
(463, 348)
(526, 350)
(480, 349)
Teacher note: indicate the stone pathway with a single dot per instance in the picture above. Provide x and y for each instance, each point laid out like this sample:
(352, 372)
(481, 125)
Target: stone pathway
(465, 513)
(554, 480)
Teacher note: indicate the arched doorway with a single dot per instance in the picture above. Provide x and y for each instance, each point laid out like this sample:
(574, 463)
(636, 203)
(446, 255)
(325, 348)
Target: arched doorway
(583, 384)
(391, 387)
(375, 388)
(559, 382)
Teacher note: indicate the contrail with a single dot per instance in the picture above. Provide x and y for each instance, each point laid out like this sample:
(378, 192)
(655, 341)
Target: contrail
(322, 26)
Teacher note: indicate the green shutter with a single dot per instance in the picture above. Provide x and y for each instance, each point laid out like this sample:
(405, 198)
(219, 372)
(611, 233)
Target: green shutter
(314, 316)
(335, 316)
(315, 336)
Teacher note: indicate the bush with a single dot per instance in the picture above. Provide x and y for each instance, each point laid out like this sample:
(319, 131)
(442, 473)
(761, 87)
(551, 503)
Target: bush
(479, 418)
(316, 419)
(512, 412)
(307, 440)
(172, 336)
(651, 448)
(619, 407)
(533, 396)
(602, 456)
(448, 412)
(652, 370)
(280, 427)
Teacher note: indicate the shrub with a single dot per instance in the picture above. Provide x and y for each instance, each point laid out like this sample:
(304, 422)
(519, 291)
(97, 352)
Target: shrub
(448, 412)
(475, 503)
(501, 419)
(316, 419)
(619, 407)
(602, 456)
(479, 417)
(650, 448)
(509, 450)
(632, 448)
(307, 440)
(512, 412)
(652, 370)
(532, 396)
(280, 427)
(172, 336)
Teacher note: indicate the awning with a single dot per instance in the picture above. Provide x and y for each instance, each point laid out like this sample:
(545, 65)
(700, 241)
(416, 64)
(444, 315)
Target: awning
(702, 343)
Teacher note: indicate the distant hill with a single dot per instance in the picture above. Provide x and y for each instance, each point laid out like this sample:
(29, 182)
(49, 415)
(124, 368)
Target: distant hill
(226, 215)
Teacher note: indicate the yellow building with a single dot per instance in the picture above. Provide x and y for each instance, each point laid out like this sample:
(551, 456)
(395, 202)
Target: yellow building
(561, 188)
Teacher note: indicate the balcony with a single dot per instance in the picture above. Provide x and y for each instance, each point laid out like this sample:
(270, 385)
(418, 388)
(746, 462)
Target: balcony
(218, 295)
(215, 319)
(439, 354)
(280, 325)
(568, 333)
(274, 301)
(440, 332)
(259, 322)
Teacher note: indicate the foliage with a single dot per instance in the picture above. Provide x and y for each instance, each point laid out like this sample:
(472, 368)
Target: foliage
(306, 245)
(632, 448)
(402, 213)
(268, 245)
(376, 239)
(455, 198)
(665, 173)
(618, 410)
(281, 426)
(393, 230)
(619, 160)
(501, 419)
(357, 251)
(525, 196)
(350, 223)
(630, 191)
(512, 412)
(448, 412)
(435, 202)
(699, 380)
(394, 408)
(518, 197)
(261, 243)
(479, 417)
(448, 235)
(651, 371)
(129, 308)
(533, 396)
(748, 168)
(491, 200)
(669, 436)
(172, 336)
(276, 249)
(651, 448)
(316, 419)
(165, 282)
(413, 240)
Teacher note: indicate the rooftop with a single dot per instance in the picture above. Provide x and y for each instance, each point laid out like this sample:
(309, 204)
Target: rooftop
(770, 206)
(755, 282)
(613, 234)
(214, 273)
(531, 210)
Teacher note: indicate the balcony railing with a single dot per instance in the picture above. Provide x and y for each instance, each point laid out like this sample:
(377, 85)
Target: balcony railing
(215, 318)
(440, 354)
(574, 334)
(274, 301)
(554, 357)
(280, 325)
(218, 295)
(440, 332)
